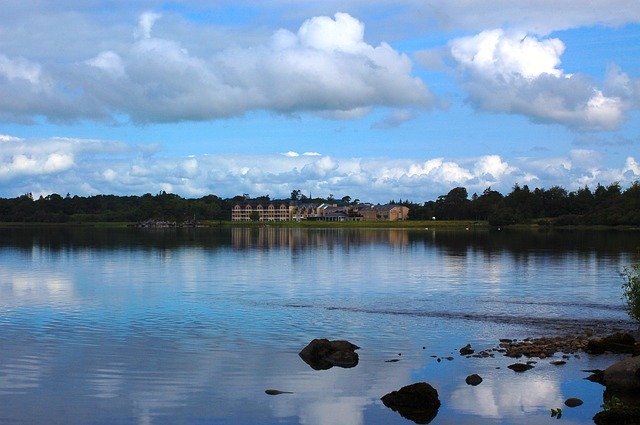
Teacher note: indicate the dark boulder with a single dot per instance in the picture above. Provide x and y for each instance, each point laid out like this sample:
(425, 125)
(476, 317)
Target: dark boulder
(623, 376)
(466, 350)
(473, 380)
(620, 342)
(597, 376)
(322, 354)
(573, 402)
(417, 402)
(271, 391)
(618, 416)
(520, 367)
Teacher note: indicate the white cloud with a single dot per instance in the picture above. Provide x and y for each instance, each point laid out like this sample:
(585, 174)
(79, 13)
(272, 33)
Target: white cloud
(497, 54)
(326, 67)
(20, 69)
(7, 138)
(344, 34)
(507, 399)
(145, 24)
(492, 165)
(109, 62)
(632, 165)
(518, 73)
(88, 167)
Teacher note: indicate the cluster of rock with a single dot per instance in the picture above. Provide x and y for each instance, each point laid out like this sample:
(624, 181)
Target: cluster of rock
(419, 402)
(544, 347)
(567, 344)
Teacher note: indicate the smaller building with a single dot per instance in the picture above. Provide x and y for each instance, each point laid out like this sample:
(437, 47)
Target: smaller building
(391, 212)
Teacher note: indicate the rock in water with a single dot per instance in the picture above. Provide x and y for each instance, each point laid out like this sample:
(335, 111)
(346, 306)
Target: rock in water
(466, 350)
(417, 402)
(271, 391)
(473, 380)
(520, 367)
(618, 416)
(322, 354)
(573, 402)
(623, 376)
(596, 376)
(619, 342)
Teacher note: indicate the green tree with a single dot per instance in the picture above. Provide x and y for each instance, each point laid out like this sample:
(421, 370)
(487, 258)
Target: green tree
(631, 290)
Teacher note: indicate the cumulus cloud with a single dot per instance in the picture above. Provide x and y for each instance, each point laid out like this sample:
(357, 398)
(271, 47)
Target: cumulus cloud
(513, 72)
(89, 167)
(326, 67)
(145, 23)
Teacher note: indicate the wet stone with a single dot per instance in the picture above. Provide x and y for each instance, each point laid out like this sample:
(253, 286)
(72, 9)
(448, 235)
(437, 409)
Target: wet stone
(520, 367)
(473, 379)
(466, 350)
(573, 402)
(417, 402)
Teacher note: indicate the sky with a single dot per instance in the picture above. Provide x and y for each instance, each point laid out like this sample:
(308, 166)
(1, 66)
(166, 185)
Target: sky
(375, 100)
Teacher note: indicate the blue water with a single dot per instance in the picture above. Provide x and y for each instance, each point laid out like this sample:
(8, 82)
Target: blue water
(191, 326)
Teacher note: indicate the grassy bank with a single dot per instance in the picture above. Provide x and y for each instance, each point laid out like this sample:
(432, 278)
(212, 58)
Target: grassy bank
(417, 224)
(411, 224)
(449, 224)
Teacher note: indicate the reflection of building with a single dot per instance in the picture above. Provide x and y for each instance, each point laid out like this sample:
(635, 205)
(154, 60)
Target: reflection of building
(280, 211)
(296, 238)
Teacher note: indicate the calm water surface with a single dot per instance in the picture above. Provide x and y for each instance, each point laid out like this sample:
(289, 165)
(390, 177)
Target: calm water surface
(191, 326)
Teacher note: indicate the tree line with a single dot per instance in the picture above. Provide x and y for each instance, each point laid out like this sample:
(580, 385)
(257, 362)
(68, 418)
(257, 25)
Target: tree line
(111, 208)
(610, 205)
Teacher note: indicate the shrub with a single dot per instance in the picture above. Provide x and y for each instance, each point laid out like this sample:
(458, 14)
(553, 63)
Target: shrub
(631, 290)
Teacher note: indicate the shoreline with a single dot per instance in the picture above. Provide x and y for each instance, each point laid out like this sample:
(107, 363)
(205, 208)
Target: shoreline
(427, 225)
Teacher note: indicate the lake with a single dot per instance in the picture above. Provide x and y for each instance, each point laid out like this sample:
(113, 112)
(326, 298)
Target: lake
(191, 326)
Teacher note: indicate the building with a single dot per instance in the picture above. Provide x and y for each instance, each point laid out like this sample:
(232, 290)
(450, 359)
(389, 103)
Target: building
(391, 212)
(282, 211)
(260, 211)
(357, 212)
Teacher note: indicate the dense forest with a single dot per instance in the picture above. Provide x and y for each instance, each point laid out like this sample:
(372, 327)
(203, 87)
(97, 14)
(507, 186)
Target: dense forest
(610, 205)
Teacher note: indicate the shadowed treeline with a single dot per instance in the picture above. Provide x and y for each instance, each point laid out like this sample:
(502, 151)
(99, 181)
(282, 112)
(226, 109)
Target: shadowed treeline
(605, 205)
(610, 205)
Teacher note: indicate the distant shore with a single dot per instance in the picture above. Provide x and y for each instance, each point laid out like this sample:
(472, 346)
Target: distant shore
(468, 225)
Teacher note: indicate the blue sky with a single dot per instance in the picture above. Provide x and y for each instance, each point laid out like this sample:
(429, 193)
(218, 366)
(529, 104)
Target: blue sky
(373, 99)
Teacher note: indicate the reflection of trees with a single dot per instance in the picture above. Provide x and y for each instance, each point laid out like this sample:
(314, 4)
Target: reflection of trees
(518, 243)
